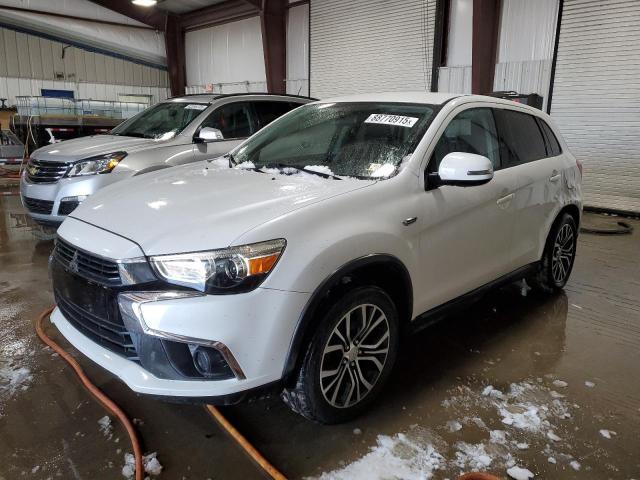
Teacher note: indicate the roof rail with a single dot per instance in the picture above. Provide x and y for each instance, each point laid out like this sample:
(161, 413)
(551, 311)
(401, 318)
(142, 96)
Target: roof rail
(223, 95)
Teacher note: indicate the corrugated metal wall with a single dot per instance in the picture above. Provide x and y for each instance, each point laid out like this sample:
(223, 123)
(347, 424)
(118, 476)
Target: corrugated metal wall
(229, 56)
(298, 50)
(371, 46)
(27, 63)
(525, 46)
(596, 97)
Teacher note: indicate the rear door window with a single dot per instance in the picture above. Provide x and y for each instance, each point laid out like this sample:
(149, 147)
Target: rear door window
(233, 120)
(521, 138)
(268, 111)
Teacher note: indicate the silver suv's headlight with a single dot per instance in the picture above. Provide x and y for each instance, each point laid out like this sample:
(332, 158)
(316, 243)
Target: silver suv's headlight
(227, 270)
(94, 165)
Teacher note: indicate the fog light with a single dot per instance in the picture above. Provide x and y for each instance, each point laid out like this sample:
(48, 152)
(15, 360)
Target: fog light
(208, 361)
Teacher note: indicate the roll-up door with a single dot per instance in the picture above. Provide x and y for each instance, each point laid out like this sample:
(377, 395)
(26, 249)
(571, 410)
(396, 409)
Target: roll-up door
(370, 46)
(596, 97)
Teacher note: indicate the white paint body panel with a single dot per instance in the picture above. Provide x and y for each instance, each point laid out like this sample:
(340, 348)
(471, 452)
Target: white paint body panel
(463, 238)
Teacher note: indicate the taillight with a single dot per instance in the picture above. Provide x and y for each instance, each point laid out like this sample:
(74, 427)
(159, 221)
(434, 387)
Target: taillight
(579, 164)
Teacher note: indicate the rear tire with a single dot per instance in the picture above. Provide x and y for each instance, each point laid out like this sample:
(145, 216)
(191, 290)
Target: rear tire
(349, 358)
(558, 257)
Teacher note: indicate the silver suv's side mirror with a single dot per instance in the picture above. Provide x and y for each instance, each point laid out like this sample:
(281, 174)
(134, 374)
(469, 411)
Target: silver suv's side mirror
(465, 169)
(208, 134)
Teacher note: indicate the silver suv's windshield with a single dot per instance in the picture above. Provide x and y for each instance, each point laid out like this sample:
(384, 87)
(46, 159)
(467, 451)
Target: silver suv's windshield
(362, 140)
(162, 121)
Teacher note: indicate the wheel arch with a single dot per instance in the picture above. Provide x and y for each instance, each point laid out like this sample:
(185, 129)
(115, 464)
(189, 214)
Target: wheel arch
(382, 270)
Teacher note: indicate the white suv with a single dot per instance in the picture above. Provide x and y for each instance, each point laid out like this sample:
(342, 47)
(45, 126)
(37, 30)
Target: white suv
(295, 262)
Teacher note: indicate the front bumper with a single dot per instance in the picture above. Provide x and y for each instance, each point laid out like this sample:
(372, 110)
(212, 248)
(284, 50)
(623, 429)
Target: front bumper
(64, 188)
(257, 328)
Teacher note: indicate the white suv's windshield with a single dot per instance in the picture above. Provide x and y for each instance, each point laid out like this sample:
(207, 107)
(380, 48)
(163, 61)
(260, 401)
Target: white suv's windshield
(362, 140)
(162, 121)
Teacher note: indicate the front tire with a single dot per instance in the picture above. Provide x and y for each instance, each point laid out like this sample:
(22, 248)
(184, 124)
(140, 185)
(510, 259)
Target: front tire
(558, 257)
(349, 358)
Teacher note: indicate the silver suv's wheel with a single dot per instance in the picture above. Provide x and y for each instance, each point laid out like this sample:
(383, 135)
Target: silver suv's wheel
(348, 359)
(559, 255)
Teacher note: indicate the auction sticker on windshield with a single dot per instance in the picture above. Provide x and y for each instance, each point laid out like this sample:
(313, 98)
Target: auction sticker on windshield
(386, 119)
(195, 106)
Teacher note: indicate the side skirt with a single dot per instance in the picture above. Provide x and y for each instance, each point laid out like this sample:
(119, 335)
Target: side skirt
(440, 312)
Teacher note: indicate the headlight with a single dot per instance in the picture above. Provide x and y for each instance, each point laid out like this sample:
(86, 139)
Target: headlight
(228, 270)
(98, 164)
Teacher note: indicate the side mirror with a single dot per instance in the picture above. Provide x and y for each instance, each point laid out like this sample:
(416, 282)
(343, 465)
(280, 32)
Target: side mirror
(465, 169)
(208, 134)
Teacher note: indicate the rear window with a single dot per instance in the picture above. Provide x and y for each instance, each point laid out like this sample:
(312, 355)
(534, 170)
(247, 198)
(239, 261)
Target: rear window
(521, 138)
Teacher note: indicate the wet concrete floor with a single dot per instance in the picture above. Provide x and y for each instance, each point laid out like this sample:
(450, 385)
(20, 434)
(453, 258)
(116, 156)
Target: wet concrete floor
(564, 372)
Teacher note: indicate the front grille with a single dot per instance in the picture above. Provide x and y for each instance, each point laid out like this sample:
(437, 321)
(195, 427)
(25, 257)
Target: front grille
(110, 333)
(67, 207)
(42, 171)
(36, 205)
(87, 265)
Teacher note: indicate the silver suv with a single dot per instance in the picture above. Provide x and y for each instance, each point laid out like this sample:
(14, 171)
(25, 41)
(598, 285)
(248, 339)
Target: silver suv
(174, 132)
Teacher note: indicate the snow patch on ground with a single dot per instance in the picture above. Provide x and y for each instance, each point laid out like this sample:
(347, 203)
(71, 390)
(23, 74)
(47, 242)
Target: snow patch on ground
(404, 456)
(150, 462)
(524, 416)
(106, 428)
(607, 433)
(518, 473)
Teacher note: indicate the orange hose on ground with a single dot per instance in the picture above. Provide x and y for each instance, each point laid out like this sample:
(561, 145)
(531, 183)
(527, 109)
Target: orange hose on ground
(106, 402)
(478, 476)
(246, 446)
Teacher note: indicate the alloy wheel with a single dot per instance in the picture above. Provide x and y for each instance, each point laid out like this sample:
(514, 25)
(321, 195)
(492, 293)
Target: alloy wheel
(354, 356)
(563, 252)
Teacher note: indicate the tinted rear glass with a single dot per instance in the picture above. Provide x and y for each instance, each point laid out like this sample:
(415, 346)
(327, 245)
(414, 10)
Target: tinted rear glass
(269, 111)
(553, 146)
(521, 137)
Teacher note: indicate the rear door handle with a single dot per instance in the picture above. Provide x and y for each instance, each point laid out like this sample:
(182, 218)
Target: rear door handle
(555, 176)
(504, 201)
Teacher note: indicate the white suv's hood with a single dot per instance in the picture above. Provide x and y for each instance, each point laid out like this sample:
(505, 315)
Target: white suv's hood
(84, 147)
(201, 206)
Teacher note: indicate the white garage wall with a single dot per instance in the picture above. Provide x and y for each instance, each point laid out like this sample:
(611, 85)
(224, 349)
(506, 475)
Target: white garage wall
(29, 63)
(371, 46)
(596, 100)
(298, 50)
(525, 46)
(229, 57)
(455, 76)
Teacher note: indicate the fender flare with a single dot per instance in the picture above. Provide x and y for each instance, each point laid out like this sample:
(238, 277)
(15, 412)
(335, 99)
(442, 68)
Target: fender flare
(305, 326)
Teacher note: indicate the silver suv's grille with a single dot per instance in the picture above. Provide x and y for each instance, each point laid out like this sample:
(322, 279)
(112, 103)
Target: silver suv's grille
(42, 171)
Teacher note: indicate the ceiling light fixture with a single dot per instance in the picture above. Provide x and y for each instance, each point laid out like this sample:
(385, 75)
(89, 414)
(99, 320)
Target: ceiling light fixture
(144, 3)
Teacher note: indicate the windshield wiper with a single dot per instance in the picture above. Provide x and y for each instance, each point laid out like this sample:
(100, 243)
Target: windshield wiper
(232, 161)
(302, 168)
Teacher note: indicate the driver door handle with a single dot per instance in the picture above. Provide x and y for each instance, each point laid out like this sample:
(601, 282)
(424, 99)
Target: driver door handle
(503, 202)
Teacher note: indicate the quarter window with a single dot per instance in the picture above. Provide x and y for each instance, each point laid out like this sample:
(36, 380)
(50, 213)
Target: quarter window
(233, 120)
(553, 147)
(521, 137)
(471, 131)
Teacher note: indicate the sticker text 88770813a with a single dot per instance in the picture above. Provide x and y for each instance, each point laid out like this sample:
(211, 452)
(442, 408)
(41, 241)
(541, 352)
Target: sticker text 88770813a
(386, 119)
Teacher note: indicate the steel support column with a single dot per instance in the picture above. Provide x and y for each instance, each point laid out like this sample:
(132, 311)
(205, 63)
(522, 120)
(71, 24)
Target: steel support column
(174, 45)
(486, 21)
(273, 20)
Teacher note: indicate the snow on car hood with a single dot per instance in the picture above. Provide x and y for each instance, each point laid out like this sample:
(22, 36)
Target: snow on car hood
(84, 147)
(201, 206)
